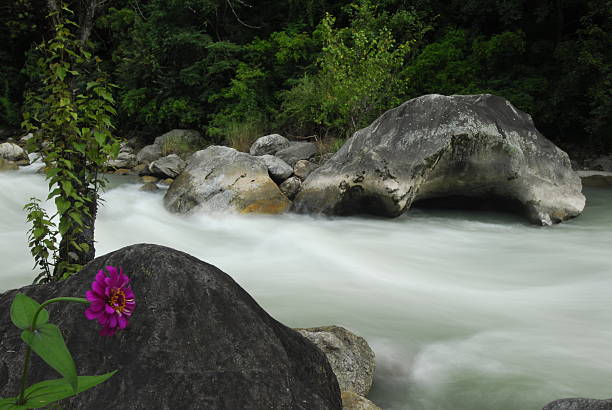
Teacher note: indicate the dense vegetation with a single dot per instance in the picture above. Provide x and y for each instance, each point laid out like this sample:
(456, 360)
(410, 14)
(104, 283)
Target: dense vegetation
(236, 69)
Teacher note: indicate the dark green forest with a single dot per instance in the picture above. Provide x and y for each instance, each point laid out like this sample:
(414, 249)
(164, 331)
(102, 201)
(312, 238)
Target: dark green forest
(238, 69)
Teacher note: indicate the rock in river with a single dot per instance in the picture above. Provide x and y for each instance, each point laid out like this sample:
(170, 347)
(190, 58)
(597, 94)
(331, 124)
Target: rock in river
(579, 404)
(196, 340)
(223, 179)
(349, 355)
(435, 146)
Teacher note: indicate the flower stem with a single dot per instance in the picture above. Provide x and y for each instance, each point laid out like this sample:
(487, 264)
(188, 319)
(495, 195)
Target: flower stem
(24, 376)
(26, 363)
(48, 302)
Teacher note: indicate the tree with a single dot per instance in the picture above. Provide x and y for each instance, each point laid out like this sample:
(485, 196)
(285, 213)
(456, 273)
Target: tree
(69, 109)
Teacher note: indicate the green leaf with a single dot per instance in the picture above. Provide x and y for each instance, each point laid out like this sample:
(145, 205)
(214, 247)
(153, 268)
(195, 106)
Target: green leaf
(22, 312)
(62, 204)
(47, 392)
(9, 404)
(47, 342)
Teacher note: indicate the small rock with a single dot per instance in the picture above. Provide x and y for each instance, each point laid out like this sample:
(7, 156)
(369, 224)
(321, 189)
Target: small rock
(579, 404)
(297, 151)
(168, 167)
(291, 187)
(303, 168)
(278, 169)
(26, 137)
(149, 178)
(353, 401)
(124, 159)
(167, 181)
(13, 152)
(123, 171)
(148, 154)
(269, 144)
(6, 165)
(349, 355)
(141, 169)
(149, 187)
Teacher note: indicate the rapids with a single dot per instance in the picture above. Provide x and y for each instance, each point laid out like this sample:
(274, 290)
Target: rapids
(464, 309)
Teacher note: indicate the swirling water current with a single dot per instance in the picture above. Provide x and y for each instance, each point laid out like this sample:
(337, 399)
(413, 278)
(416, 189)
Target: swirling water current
(464, 309)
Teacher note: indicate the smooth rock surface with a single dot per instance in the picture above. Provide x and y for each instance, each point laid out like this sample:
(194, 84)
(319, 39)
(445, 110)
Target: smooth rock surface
(149, 187)
(579, 404)
(435, 146)
(12, 152)
(125, 159)
(268, 144)
(221, 179)
(297, 151)
(349, 355)
(196, 340)
(148, 154)
(279, 170)
(169, 166)
(353, 401)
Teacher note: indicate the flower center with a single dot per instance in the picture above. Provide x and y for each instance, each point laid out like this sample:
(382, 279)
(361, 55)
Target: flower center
(117, 299)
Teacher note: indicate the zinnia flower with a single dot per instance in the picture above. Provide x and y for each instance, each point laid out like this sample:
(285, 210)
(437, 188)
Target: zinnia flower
(112, 300)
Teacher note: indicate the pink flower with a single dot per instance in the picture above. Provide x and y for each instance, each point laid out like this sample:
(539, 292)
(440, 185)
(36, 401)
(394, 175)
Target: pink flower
(112, 300)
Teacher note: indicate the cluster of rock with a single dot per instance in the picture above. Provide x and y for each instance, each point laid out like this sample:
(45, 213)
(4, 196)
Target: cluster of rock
(12, 156)
(264, 180)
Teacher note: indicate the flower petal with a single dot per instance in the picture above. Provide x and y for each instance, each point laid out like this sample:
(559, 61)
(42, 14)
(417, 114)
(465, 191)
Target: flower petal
(123, 322)
(109, 309)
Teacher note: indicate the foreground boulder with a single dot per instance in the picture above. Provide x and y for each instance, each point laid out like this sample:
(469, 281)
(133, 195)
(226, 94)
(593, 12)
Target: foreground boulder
(353, 401)
(434, 146)
(169, 166)
(196, 340)
(349, 355)
(579, 404)
(223, 179)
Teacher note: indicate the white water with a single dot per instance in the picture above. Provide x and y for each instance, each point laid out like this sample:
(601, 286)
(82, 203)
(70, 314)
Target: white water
(465, 310)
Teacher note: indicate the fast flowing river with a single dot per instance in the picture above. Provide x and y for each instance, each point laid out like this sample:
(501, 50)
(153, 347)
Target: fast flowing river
(464, 309)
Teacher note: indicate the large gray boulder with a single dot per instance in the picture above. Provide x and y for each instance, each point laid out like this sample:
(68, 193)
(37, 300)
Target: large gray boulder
(223, 179)
(349, 355)
(435, 146)
(268, 144)
(12, 152)
(169, 166)
(196, 340)
(296, 151)
(579, 404)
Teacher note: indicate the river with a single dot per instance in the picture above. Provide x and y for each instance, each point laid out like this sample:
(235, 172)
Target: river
(464, 309)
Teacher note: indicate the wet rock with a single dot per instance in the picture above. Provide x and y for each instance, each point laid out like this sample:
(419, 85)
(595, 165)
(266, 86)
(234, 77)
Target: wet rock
(167, 167)
(269, 144)
(297, 151)
(290, 187)
(279, 170)
(303, 168)
(149, 178)
(579, 404)
(122, 171)
(220, 179)
(353, 401)
(434, 146)
(13, 152)
(6, 165)
(196, 340)
(149, 187)
(167, 181)
(125, 159)
(598, 179)
(349, 355)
